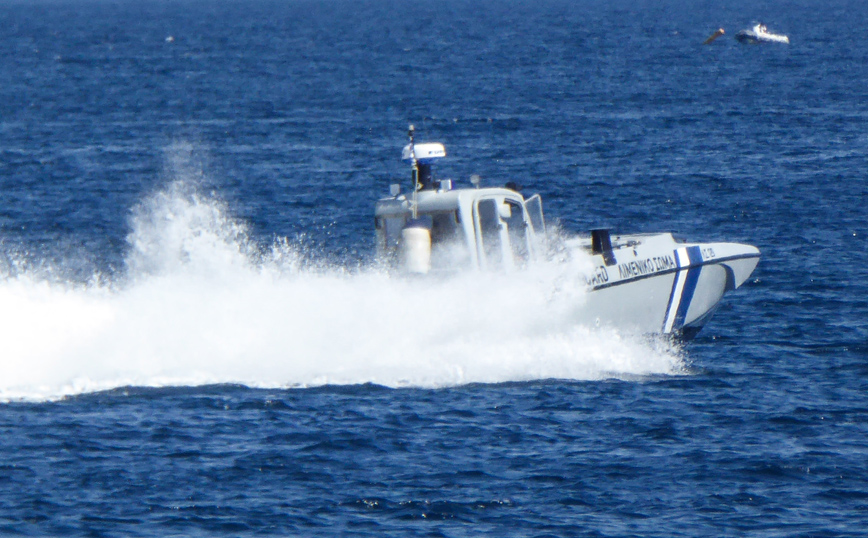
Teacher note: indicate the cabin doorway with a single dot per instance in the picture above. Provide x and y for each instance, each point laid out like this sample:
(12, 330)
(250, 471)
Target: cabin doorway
(490, 240)
(502, 233)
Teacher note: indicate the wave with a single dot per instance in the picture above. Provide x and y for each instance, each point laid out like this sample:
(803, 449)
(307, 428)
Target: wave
(201, 303)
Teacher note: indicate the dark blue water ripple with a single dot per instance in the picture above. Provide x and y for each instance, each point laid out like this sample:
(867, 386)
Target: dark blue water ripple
(612, 457)
(293, 115)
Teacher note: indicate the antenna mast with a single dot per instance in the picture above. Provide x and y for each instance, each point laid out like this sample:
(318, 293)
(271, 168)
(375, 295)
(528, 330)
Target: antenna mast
(415, 165)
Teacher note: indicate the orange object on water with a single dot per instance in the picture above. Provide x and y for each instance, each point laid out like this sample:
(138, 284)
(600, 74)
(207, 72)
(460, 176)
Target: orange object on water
(719, 32)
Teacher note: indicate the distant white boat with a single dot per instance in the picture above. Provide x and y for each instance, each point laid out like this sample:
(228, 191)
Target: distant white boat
(760, 34)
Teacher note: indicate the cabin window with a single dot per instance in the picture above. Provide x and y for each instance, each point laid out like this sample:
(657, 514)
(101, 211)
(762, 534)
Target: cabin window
(444, 227)
(448, 247)
(489, 228)
(391, 228)
(533, 205)
(517, 228)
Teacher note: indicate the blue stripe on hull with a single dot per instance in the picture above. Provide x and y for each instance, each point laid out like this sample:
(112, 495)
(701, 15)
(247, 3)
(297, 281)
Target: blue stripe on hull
(692, 279)
(683, 287)
(672, 293)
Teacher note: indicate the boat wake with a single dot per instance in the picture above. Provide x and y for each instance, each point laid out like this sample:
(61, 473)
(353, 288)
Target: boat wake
(201, 303)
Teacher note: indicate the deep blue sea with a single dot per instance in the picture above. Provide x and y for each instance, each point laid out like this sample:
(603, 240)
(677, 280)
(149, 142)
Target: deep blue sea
(195, 339)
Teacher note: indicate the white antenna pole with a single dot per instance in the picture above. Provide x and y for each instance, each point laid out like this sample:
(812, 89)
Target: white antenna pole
(415, 168)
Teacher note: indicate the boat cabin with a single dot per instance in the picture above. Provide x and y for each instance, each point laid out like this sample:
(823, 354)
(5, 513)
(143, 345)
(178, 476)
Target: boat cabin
(484, 228)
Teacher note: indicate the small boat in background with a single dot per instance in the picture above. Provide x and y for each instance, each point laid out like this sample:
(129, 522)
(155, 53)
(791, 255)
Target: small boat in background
(760, 34)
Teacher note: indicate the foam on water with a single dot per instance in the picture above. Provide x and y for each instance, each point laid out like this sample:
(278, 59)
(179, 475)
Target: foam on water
(201, 303)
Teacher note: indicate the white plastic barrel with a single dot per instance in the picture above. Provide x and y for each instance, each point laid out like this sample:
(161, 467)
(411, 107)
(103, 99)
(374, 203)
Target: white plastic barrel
(416, 249)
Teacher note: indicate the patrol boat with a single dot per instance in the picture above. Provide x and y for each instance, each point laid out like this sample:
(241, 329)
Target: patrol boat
(639, 283)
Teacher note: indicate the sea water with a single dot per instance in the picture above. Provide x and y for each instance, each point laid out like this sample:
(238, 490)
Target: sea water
(197, 341)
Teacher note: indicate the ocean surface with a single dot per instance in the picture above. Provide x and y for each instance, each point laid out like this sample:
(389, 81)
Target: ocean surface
(195, 339)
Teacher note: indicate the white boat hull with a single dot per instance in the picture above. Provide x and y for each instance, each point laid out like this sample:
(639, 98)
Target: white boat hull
(668, 291)
(758, 34)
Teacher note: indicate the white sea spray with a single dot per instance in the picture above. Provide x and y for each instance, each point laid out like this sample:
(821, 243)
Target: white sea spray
(202, 303)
